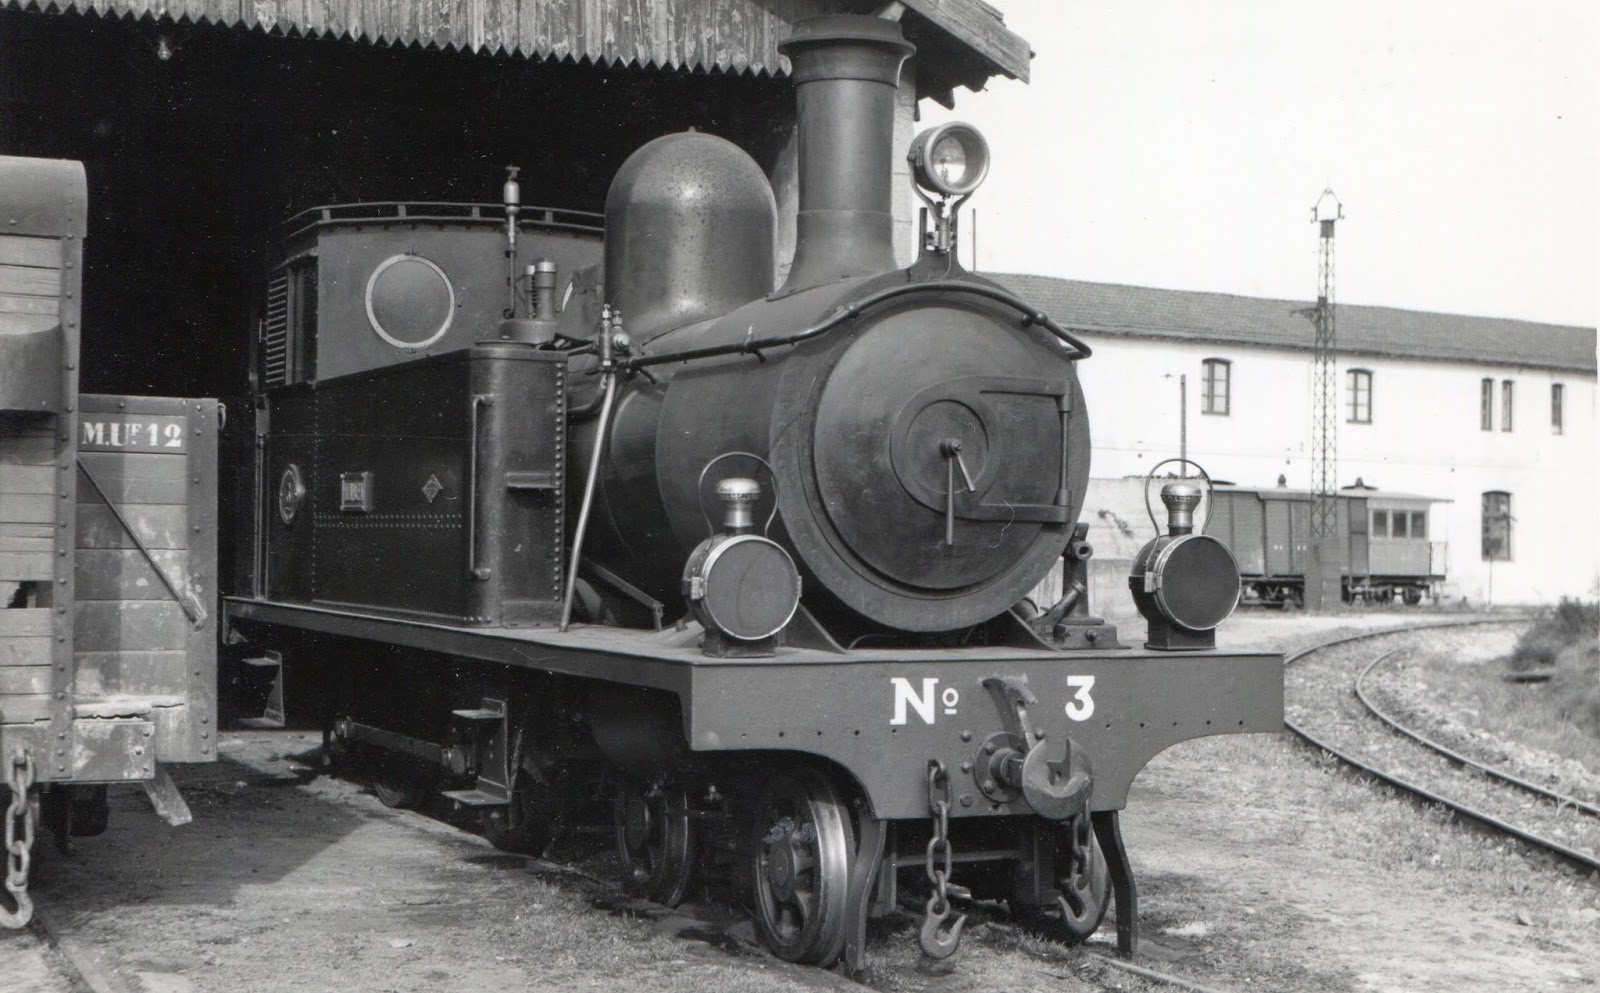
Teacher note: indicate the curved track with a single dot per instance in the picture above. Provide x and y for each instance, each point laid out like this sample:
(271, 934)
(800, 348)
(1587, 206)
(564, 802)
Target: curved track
(1419, 766)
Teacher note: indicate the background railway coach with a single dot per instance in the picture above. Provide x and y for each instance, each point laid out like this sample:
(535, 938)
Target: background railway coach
(1384, 542)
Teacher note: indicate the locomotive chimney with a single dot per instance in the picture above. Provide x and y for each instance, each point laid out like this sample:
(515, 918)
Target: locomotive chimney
(845, 69)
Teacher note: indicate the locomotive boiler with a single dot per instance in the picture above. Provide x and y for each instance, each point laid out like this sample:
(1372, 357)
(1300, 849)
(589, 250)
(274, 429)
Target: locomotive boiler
(754, 564)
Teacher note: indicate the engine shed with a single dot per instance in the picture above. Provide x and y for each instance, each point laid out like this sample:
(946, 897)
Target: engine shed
(204, 125)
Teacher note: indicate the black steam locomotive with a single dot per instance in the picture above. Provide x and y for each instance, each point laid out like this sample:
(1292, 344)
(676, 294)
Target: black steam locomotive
(757, 562)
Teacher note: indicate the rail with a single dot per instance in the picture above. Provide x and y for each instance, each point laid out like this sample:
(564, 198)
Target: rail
(1490, 821)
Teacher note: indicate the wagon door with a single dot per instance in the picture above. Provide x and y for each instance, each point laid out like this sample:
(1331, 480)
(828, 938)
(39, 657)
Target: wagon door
(1279, 542)
(1356, 511)
(145, 619)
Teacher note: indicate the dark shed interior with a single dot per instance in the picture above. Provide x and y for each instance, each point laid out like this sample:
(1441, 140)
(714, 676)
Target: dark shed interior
(199, 140)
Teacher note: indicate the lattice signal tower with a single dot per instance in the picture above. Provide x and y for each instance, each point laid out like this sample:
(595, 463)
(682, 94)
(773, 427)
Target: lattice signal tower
(1324, 378)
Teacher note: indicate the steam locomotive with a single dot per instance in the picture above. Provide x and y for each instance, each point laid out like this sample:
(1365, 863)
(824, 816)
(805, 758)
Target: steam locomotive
(758, 563)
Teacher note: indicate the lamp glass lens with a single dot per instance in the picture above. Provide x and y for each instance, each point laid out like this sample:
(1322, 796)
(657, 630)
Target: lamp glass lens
(950, 160)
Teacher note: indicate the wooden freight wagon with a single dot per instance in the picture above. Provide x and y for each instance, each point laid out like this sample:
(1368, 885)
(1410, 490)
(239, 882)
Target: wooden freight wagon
(107, 551)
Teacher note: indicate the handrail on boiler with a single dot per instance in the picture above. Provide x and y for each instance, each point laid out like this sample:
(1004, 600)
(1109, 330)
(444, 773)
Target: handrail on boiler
(754, 346)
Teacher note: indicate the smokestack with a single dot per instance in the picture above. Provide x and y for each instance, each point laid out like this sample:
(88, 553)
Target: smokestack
(845, 69)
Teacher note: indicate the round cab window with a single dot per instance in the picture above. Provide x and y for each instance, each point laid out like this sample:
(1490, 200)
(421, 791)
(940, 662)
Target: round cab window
(410, 301)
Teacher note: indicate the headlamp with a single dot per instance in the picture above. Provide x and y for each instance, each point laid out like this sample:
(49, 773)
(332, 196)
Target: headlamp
(949, 160)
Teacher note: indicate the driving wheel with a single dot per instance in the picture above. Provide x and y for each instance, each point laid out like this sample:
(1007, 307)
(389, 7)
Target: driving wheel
(655, 838)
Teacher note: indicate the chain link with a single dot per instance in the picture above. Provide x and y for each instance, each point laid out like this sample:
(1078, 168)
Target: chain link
(939, 849)
(938, 863)
(19, 849)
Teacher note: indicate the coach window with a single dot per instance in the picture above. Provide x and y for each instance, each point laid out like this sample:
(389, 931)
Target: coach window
(1360, 396)
(1486, 406)
(1497, 526)
(1505, 404)
(1419, 524)
(1380, 524)
(1215, 376)
(1556, 391)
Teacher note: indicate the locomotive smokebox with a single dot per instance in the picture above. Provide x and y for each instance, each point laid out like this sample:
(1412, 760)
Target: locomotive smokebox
(845, 70)
(689, 220)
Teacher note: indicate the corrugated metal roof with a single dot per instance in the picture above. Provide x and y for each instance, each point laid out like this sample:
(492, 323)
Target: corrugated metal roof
(736, 36)
(1139, 311)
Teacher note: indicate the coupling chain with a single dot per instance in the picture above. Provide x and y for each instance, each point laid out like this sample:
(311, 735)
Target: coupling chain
(939, 850)
(19, 840)
(938, 863)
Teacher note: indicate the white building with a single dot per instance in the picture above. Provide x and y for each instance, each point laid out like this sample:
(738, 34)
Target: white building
(1496, 416)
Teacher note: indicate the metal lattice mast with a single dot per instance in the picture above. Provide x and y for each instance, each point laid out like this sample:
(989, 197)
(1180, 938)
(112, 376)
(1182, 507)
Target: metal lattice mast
(1324, 379)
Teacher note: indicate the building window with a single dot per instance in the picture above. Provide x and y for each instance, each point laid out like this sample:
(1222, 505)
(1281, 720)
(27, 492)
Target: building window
(1360, 396)
(1505, 405)
(1214, 396)
(1486, 406)
(1556, 396)
(1497, 526)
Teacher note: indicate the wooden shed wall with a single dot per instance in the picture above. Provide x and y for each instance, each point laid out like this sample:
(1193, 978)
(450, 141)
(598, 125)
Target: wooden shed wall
(965, 41)
(703, 34)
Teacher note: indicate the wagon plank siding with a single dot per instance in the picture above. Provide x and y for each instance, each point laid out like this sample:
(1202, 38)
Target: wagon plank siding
(24, 708)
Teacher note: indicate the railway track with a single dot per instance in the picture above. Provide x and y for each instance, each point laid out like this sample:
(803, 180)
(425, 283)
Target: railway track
(1348, 723)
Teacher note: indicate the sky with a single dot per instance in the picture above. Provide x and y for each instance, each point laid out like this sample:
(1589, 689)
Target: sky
(1182, 145)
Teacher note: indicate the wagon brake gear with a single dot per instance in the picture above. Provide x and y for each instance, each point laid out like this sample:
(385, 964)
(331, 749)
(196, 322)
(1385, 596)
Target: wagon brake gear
(1056, 789)
(937, 911)
(20, 818)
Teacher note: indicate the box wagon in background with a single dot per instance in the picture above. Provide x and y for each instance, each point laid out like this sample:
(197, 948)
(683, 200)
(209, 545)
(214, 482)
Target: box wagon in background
(1384, 540)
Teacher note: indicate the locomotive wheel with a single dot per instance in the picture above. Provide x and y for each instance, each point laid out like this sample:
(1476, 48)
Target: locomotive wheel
(526, 825)
(1082, 885)
(656, 839)
(803, 847)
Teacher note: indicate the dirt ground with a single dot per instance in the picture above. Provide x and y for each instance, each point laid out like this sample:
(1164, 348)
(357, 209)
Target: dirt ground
(1260, 867)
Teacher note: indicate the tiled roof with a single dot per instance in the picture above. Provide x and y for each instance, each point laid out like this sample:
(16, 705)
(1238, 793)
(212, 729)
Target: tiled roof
(1139, 311)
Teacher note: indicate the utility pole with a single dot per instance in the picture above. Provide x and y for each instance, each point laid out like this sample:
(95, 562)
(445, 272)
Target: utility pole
(1325, 563)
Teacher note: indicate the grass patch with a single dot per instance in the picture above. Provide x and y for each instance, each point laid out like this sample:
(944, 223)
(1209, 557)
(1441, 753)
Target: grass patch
(1568, 641)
